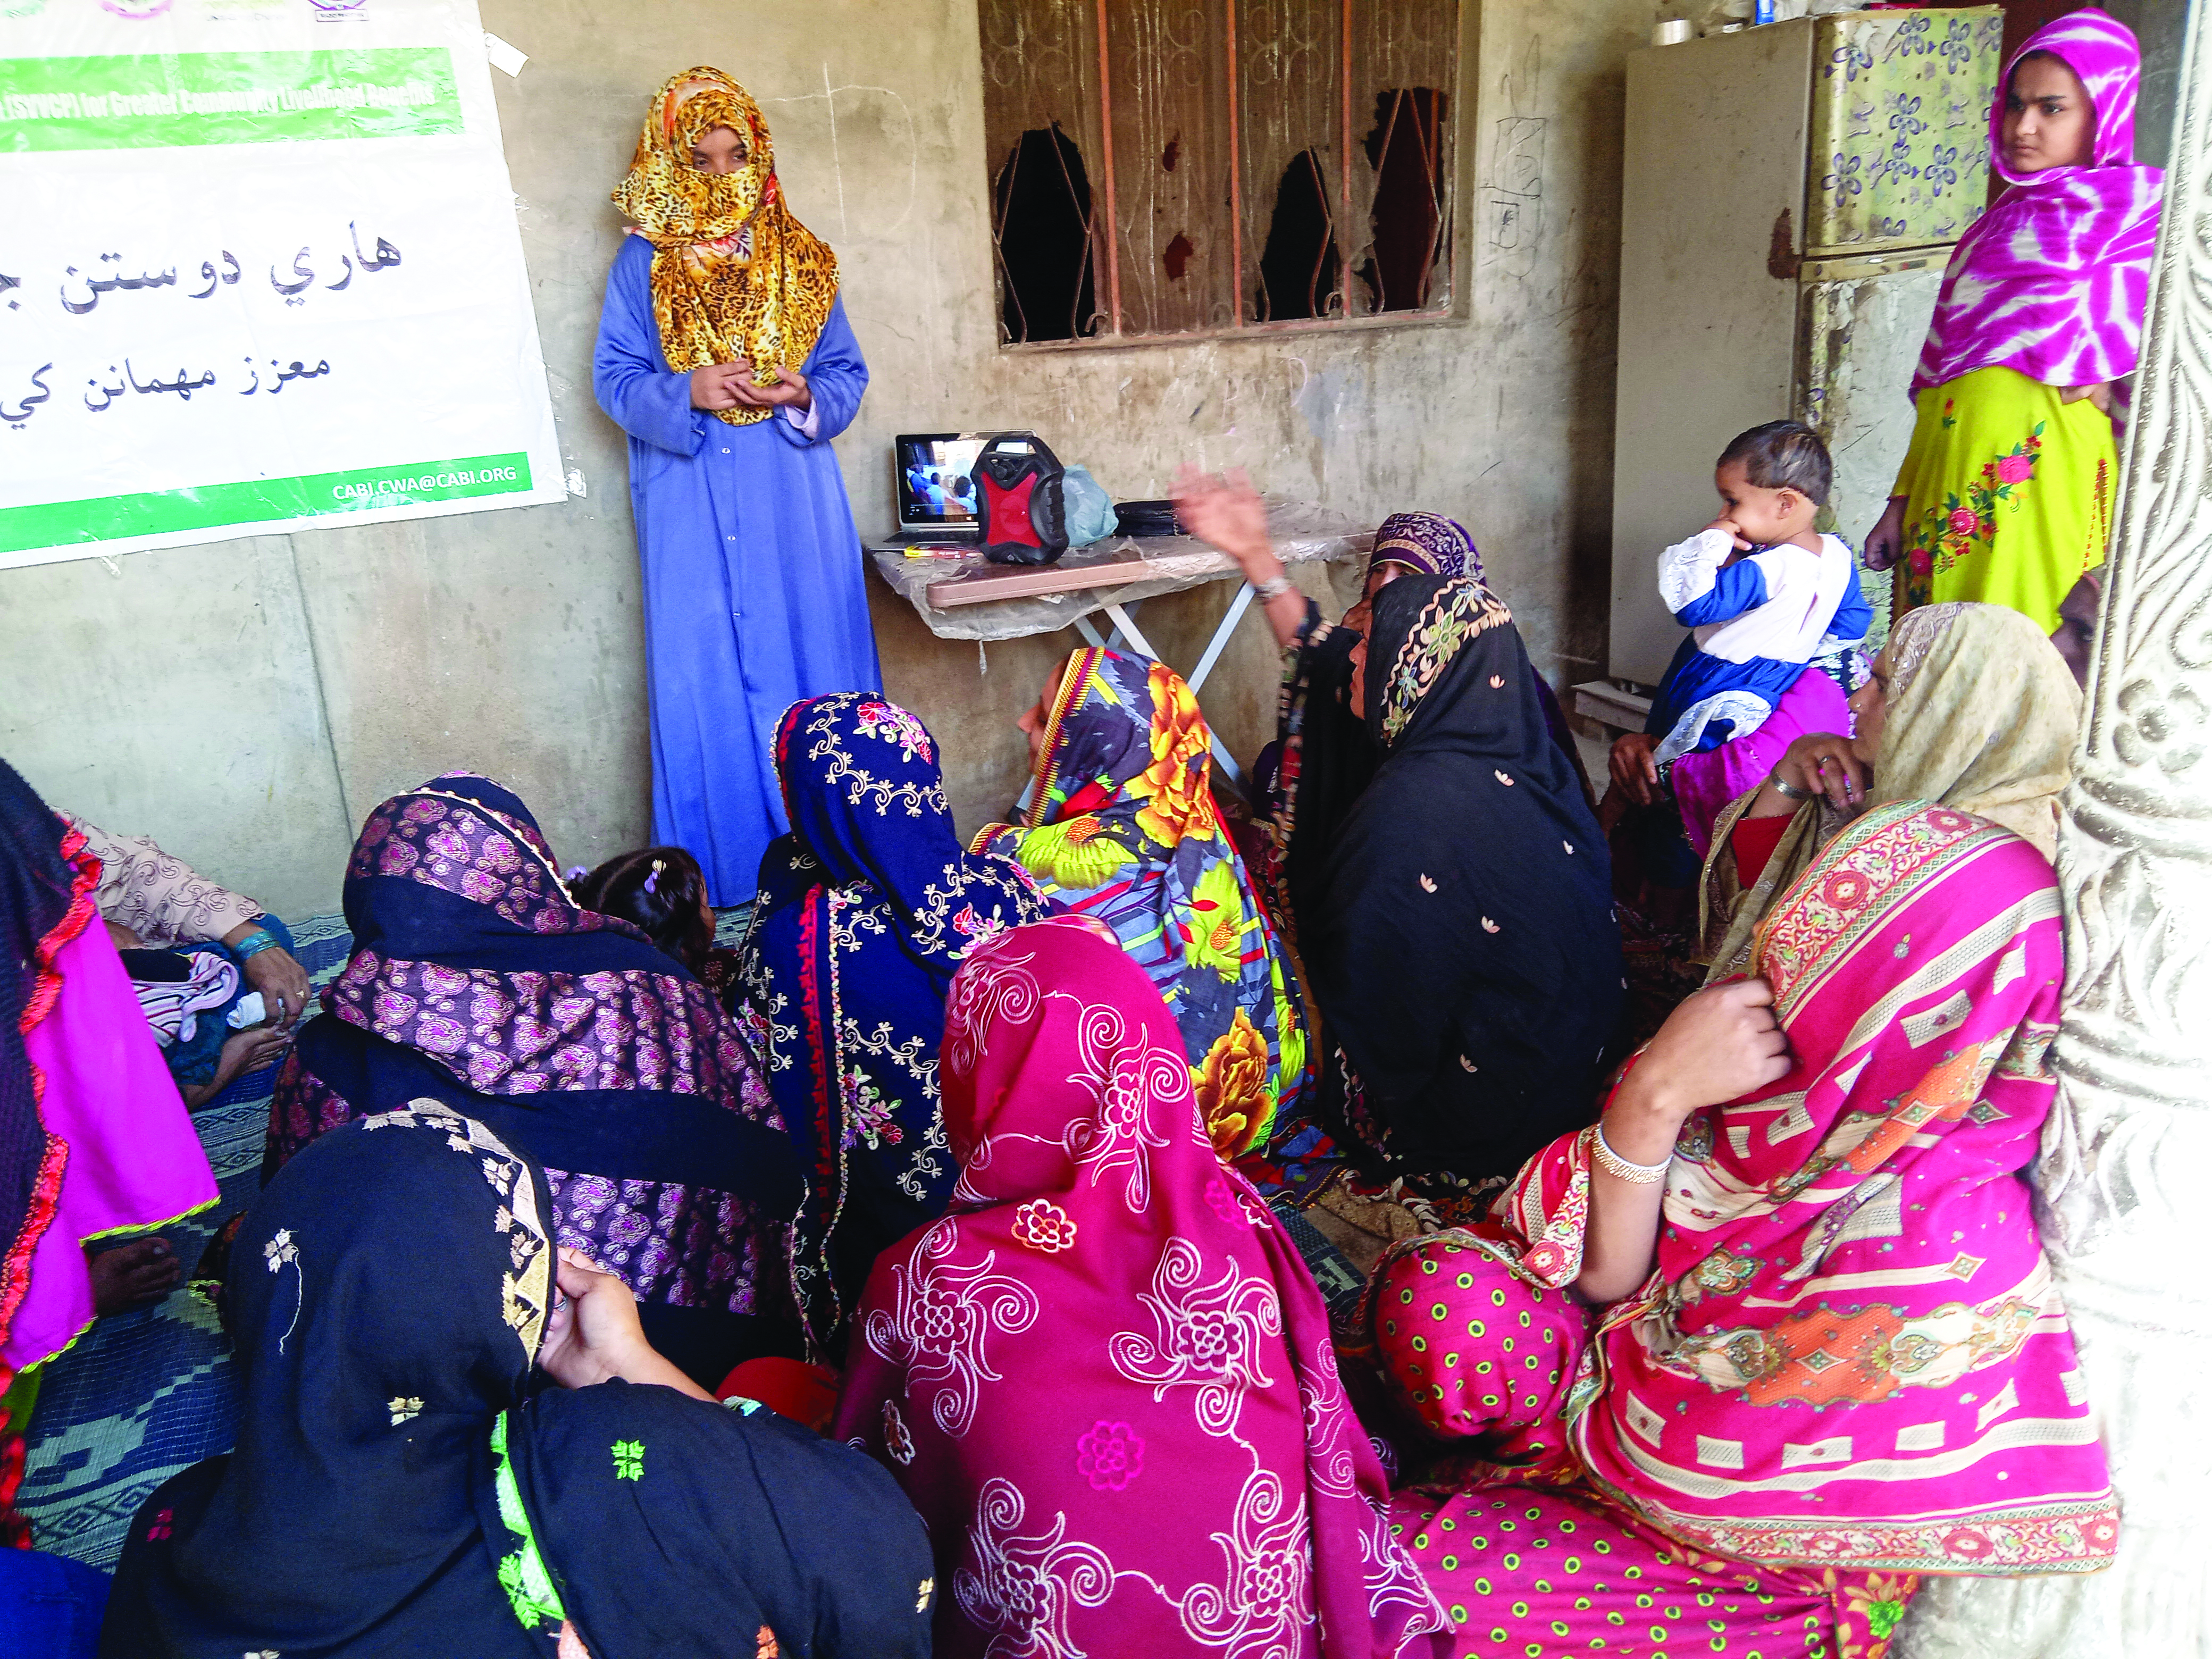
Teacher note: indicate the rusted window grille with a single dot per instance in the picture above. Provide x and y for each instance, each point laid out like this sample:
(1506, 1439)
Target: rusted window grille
(1187, 167)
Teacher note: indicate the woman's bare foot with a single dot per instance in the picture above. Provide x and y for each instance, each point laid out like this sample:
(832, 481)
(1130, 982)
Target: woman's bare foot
(133, 1276)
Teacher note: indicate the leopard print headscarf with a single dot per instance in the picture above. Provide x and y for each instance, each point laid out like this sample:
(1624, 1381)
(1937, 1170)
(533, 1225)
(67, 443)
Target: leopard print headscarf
(734, 275)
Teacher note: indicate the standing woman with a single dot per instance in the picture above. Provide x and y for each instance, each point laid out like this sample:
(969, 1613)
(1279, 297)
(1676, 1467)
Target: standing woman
(2005, 496)
(724, 354)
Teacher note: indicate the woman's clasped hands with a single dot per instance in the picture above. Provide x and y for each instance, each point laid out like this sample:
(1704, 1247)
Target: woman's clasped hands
(731, 386)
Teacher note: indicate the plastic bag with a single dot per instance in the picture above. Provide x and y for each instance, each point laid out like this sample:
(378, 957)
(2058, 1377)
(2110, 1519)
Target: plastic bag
(1089, 509)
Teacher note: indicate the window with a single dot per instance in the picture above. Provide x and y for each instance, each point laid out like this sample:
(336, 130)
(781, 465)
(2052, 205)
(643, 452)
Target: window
(1186, 167)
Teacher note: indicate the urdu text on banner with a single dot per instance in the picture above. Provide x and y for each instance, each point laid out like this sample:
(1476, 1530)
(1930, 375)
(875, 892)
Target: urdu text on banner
(259, 270)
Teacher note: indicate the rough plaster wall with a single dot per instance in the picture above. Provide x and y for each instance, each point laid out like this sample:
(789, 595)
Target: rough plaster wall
(248, 702)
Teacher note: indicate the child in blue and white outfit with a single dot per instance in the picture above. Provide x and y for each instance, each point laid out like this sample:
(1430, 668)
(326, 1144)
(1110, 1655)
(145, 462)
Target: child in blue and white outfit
(1761, 590)
(1763, 594)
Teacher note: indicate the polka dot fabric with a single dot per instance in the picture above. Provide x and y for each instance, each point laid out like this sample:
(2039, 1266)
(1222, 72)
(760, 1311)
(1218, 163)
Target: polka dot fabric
(1486, 1358)
(1475, 1349)
(1526, 1572)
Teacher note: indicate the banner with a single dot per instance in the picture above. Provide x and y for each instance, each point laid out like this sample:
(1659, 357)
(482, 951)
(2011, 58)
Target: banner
(260, 272)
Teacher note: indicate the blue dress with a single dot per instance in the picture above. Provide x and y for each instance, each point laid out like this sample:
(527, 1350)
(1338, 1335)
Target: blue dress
(754, 585)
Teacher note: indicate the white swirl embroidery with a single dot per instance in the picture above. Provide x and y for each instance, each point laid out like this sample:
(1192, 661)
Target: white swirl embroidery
(1208, 1336)
(1125, 1072)
(995, 983)
(1265, 1603)
(938, 1329)
(1024, 1589)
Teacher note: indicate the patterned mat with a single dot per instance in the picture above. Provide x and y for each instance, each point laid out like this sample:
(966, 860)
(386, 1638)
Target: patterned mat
(144, 1395)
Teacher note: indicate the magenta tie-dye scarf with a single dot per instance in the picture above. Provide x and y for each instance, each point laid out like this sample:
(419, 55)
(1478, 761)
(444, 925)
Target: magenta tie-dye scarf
(2050, 280)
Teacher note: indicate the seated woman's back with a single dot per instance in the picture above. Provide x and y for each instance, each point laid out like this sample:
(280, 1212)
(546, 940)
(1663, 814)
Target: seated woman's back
(1105, 1377)
(1122, 827)
(1463, 950)
(866, 907)
(407, 1482)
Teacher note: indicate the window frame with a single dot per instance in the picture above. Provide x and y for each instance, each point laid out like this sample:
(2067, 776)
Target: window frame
(1454, 198)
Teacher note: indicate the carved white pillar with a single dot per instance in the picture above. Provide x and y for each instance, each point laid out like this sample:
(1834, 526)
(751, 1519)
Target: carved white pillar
(2126, 1174)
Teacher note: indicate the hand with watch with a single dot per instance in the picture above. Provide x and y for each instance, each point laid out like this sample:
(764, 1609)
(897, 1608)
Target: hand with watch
(272, 970)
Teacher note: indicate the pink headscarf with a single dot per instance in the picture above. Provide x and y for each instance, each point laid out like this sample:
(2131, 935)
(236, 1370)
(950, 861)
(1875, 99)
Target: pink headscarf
(2051, 280)
(1105, 1378)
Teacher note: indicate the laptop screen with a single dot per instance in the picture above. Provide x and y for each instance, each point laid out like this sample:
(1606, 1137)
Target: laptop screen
(935, 494)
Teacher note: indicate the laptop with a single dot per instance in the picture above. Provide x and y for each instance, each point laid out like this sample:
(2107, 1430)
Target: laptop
(936, 498)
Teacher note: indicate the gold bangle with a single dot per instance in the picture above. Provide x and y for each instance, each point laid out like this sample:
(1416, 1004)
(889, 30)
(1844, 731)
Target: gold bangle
(1635, 1175)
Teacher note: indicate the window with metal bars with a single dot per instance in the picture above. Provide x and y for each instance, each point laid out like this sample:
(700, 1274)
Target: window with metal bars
(1211, 167)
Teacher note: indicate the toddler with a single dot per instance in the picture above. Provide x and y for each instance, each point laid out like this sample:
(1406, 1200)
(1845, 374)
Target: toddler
(660, 890)
(1763, 594)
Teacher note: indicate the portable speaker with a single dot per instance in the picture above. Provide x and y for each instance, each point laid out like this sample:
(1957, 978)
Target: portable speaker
(1018, 485)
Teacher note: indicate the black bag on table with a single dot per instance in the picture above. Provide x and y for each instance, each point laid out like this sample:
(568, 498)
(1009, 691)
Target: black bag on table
(1017, 491)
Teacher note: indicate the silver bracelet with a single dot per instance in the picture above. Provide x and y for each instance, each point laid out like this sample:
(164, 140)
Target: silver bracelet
(1274, 587)
(1635, 1175)
(1787, 791)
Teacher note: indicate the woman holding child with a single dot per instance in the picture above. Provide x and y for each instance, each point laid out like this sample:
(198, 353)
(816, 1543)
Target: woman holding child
(2006, 492)
(476, 980)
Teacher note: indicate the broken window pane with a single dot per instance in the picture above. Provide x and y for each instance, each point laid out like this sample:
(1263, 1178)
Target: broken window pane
(1040, 225)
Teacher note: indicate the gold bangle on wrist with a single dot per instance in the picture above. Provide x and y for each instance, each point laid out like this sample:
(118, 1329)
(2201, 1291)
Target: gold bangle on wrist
(1635, 1175)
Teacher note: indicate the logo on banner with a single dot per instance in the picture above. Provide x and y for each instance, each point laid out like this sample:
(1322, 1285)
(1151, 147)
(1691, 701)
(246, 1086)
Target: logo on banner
(339, 11)
(136, 11)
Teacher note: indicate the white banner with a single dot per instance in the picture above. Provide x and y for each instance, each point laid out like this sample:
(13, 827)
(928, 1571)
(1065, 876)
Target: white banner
(258, 271)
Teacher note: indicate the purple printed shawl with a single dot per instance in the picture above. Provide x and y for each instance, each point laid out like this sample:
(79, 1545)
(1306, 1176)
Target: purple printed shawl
(2051, 280)
(476, 980)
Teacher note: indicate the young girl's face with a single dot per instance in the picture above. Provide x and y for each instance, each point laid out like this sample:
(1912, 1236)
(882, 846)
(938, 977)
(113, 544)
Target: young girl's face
(1762, 517)
(718, 149)
(2049, 121)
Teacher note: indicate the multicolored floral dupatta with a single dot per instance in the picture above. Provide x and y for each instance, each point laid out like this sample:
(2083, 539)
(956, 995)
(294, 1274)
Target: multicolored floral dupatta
(1106, 1379)
(1851, 1351)
(1122, 827)
(866, 909)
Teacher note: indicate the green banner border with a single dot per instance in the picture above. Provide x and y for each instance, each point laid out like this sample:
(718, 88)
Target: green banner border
(83, 525)
(41, 98)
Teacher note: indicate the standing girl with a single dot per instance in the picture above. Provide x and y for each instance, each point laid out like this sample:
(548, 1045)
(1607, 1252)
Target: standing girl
(2006, 494)
(724, 355)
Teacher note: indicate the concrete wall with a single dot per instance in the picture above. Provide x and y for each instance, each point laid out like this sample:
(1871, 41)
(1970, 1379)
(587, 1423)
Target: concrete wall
(248, 702)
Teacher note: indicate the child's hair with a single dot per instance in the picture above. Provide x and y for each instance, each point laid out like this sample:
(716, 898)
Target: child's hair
(1783, 455)
(660, 889)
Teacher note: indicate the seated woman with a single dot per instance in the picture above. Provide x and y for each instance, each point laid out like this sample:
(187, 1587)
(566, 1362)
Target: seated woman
(476, 980)
(1105, 1378)
(406, 1483)
(1738, 1365)
(1322, 758)
(93, 1141)
(865, 908)
(1967, 705)
(1461, 944)
(1123, 828)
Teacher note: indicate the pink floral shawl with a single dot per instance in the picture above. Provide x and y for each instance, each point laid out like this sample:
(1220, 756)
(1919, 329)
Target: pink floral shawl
(1851, 1349)
(2051, 280)
(1105, 1378)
